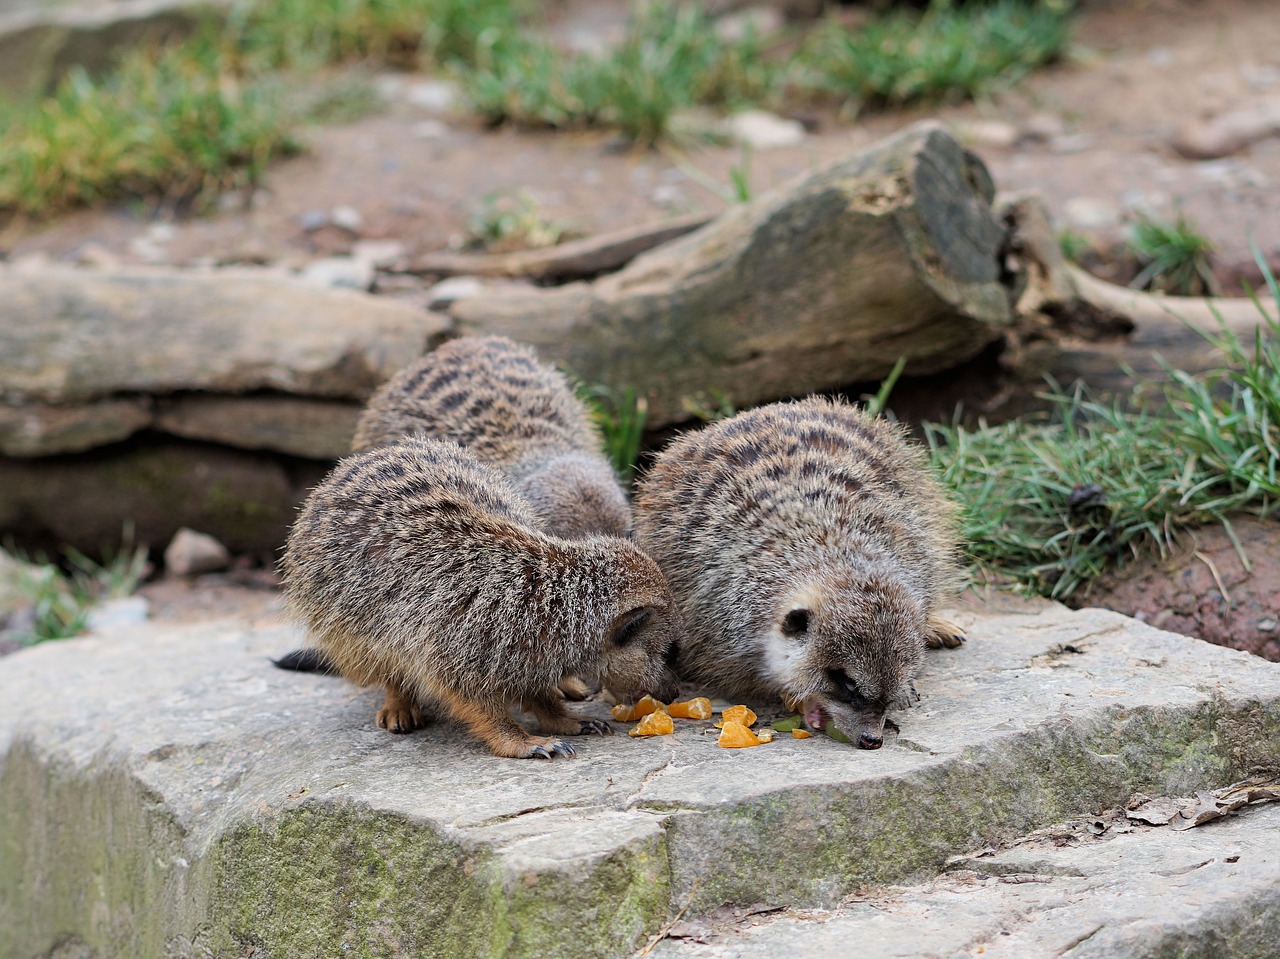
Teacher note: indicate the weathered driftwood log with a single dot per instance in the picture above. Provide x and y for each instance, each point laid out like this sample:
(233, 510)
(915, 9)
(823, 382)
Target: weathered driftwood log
(575, 260)
(894, 252)
(1074, 326)
(254, 361)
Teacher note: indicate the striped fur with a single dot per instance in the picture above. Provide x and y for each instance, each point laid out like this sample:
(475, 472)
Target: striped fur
(811, 510)
(515, 413)
(415, 566)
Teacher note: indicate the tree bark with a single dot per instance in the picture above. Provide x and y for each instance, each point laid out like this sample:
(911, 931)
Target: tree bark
(894, 252)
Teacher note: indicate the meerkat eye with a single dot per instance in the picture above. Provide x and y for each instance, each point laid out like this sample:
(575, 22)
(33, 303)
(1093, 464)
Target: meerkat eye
(795, 622)
(627, 626)
(847, 689)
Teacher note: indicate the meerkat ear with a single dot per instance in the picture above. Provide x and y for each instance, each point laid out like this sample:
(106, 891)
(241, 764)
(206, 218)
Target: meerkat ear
(626, 626)
(795, 623)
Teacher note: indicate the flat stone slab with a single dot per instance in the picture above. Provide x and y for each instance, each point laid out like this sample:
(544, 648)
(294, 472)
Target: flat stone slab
(164, 791)
(1211, 891)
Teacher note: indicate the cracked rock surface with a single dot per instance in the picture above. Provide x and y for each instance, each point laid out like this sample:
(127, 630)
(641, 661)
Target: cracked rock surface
(164, 791)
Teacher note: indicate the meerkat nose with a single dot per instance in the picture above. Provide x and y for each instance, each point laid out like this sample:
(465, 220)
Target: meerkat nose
(869, 742)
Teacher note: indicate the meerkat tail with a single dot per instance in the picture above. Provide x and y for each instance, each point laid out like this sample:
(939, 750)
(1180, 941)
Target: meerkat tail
(943, 634)
(492, 724)
(400, 713)
(306, 660)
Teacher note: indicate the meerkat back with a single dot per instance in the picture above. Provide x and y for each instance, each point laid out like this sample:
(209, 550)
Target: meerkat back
(810, 548)
(496, 398)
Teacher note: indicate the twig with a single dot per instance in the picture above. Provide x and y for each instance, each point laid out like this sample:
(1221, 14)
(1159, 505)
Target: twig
(662, 933)
(1216, 578)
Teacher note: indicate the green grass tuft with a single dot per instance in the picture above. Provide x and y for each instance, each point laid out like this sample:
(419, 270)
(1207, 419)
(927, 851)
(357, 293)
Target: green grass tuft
(62, 600)
(620, 415)
(949, 52)
(1053, 505)
(1174, 257)
(172, 124)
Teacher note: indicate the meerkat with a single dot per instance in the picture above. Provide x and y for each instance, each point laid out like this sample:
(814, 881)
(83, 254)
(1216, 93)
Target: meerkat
(810, 548)
(416, 567)
(516, 413)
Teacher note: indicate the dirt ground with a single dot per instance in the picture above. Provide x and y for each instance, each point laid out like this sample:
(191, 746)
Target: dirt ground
(1091, 135)
(1096, 145)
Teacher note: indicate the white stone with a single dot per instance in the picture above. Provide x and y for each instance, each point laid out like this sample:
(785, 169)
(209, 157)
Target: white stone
(190, 553)
(451, 290)
(340, 271)
(434, 96)
(123, 611)
(430, 130)
(1091, 213)
(764, 130)
(347, 217)
(759, 22)
(379, 253)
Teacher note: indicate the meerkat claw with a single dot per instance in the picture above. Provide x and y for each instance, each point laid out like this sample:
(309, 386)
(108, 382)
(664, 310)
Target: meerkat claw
(563, 748)
(596, 727)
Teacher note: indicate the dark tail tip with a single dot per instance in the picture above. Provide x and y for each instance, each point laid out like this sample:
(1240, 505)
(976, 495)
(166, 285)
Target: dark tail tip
(306, 661)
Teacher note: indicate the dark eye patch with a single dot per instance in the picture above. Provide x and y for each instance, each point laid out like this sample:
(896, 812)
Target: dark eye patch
(795, 622)
(631, 628)
(846, 690)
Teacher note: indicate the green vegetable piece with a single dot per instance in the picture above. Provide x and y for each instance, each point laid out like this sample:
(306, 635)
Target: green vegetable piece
(788, 724)
(836, 734)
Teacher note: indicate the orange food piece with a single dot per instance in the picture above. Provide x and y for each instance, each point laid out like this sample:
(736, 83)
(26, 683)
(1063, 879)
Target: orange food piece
(734, 735)
(765, 735)
(801, 734)
(639, 710)
(736, 714)
(699, 708)
(656, 723)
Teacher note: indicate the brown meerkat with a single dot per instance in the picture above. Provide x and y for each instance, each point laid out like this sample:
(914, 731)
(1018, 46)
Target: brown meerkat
(516, 413)
(810, 548)
(417, 567)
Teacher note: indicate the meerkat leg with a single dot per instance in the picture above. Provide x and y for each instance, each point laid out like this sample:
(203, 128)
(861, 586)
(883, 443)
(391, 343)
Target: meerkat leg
(490, 721)
(941, 633)
(400, 712)
(552, 717)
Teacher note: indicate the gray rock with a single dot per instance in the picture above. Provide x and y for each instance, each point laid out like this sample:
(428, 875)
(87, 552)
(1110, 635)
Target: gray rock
(1146, 892)
(315, 429)
(190, 553)
(38, 429)
(41, 39)
(246, 499)
(246, 784)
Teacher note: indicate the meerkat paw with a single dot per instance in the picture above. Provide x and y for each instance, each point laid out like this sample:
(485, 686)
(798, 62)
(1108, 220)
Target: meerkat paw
(573, 726)
(593, 727)
(399, 713)
(575, 689)
(942, 634)
(906, 698)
